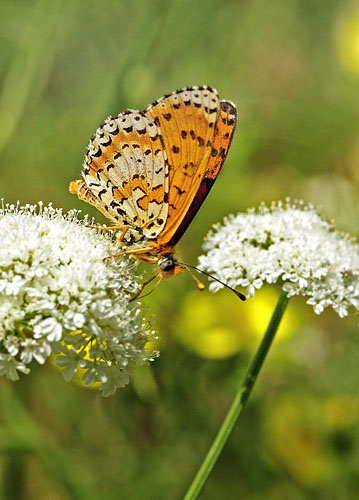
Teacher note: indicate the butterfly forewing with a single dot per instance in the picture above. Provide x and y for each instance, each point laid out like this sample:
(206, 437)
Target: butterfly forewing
(224, 128)
(187, 120)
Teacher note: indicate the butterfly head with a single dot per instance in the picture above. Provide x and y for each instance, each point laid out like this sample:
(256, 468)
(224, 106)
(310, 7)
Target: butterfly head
(169, 265)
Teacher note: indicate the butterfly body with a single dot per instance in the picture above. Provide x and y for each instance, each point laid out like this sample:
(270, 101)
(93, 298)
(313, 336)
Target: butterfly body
(150, 171)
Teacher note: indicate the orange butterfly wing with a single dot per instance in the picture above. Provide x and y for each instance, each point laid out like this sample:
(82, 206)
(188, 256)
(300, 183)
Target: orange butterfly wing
(197, 130)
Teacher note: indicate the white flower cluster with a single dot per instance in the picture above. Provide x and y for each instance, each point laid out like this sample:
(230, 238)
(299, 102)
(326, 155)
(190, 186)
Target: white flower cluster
(290, 244)
(58, 296)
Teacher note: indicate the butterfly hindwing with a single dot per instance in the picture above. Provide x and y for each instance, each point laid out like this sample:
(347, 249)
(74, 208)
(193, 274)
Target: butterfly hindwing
(126, 173)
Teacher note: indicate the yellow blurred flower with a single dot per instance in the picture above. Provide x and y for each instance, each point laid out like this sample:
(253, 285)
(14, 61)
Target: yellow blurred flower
(292, 434)
(341, 411)
(259, 312)
(301, 432)
(347, 42)
(218, 326)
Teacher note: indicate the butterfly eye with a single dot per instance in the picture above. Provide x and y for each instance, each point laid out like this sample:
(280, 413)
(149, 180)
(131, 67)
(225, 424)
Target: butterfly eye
(167, 265)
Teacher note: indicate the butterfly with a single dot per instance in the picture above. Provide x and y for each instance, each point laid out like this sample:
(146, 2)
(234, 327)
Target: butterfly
(150, 171)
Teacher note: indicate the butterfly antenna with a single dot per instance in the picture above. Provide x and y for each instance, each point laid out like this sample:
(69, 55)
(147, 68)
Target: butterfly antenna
(201, 285)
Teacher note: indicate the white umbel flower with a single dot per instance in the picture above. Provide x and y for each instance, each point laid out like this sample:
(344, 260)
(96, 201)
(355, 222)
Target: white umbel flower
(290, 244)
(58, 296)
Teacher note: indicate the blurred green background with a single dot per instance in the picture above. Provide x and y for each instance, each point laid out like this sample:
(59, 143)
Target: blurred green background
(292, 68)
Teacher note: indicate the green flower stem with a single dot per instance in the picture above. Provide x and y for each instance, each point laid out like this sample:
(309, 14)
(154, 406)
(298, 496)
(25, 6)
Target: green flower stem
(239, 401)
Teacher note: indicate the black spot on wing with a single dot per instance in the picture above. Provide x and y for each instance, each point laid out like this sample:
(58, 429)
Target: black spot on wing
(108, 143)
(98, 153)
(179, 190)
(101, 193)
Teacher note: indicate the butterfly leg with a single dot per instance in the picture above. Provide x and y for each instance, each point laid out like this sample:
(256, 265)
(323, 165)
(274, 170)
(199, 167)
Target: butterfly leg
(110, 228)
(149, 259)
(144, 284)
(122, 235)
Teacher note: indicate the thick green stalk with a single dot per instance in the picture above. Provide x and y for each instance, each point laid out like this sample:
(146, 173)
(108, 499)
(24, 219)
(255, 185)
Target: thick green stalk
(239, 401)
